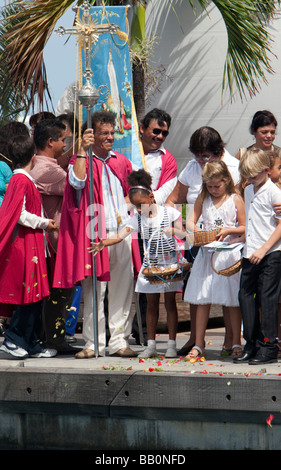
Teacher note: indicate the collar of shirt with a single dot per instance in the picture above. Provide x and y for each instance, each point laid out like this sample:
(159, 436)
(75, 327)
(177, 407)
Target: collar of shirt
(161, 150)
(261, 189)
(111, 153)
(44, 158)
(23, 172)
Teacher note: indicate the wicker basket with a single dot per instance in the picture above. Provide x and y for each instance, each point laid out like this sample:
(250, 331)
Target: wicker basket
(203, 237)
(235, 268)
(157, 275)
(162, 274)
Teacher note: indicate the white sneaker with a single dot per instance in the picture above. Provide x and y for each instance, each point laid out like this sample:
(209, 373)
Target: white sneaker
(45, 353)
(171, 352)
(13, 349)
(148, 352)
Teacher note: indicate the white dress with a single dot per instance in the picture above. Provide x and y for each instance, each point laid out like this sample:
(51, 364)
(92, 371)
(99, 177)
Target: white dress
(146, 226)
(204, 286)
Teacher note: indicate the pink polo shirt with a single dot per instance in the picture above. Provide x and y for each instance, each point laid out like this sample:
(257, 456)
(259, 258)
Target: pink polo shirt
(50, 181)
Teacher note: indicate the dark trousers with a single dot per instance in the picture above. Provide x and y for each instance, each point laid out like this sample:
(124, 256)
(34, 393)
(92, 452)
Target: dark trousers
(55, 312)
(25, 327)
(258, 297)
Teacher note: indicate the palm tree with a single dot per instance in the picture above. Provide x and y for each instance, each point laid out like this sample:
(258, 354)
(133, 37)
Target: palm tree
(31, 23)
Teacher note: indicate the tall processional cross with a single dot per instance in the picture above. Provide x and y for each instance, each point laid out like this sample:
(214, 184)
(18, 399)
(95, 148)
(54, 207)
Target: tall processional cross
(88, 32)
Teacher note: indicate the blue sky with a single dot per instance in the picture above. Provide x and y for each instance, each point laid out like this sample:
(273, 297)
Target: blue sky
(59, 57)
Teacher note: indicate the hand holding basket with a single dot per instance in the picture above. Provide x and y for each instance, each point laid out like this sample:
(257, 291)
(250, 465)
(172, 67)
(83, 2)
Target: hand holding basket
(160, 274)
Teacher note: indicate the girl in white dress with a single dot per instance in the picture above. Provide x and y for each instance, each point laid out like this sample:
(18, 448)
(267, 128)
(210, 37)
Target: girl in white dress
(219, 206)
(150, 218)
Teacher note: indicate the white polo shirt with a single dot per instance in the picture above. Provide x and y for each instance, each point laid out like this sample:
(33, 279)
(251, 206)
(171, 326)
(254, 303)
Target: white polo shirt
(261, 219)
(191, 176)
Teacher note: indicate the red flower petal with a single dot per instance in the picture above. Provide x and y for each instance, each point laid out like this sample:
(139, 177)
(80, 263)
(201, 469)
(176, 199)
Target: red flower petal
(269, 420)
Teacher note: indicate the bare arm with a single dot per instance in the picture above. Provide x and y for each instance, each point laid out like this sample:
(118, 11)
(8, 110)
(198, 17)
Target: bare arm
(178, 195)
(99, 246)
(260, 253)
(177, 230)
(194, 215)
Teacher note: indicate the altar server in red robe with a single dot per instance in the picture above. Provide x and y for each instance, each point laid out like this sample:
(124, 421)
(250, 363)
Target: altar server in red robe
(23, 249)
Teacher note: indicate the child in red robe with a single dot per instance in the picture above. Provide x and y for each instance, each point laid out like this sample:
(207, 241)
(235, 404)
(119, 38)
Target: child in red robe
(23, 275)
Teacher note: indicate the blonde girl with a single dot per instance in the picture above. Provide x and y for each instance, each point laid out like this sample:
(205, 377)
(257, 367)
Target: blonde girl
(218, 206)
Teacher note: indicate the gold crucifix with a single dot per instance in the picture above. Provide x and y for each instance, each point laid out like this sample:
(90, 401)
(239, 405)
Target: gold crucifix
(88, 32)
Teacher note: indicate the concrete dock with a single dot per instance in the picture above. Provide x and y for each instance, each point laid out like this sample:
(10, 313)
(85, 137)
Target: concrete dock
(113, 404)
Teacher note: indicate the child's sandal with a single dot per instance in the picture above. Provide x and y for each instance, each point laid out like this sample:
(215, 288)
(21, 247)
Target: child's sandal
(236, 350)
(199, 353)
(225, 352)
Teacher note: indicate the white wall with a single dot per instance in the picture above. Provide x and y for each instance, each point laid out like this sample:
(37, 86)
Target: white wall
(193, 51)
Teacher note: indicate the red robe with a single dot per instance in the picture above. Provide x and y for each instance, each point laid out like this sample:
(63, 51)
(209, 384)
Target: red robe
(73, 262)
(169, 168)
(23, 274)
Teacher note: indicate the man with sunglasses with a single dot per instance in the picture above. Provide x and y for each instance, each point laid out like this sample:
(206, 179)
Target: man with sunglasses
(160, 163)
(162, 166)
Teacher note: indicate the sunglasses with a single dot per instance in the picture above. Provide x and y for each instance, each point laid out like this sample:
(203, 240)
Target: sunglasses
(159, 131)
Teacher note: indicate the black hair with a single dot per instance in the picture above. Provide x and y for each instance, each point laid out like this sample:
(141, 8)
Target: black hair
(35, 118)
(71, 120)
(139, 180)
(46, 129)
(262, 119)
(206, 139)
(159, 115)
(7, 132)
(103, 117)
(21, 149)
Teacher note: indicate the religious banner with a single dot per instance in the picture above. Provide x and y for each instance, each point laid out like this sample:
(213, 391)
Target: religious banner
(112, 77)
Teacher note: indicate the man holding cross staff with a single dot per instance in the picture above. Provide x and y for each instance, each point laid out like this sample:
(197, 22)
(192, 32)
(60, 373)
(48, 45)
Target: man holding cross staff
(94, 206)
(74, 262)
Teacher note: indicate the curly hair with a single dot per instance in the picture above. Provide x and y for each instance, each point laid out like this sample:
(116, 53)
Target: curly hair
(140, 181)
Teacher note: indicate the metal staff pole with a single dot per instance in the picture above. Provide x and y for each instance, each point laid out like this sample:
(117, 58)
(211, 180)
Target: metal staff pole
(88, 97)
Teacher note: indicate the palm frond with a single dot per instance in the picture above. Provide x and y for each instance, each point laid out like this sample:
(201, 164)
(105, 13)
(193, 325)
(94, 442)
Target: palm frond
(249, 44)
(13, 102)
(28, 29)
(31, 23)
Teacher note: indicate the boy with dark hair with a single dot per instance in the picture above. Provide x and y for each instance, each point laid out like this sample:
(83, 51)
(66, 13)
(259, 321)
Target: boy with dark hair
(23, 276)
(47, 129)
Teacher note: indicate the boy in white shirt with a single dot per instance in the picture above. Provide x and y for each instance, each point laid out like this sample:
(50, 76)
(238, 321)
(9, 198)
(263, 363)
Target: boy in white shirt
(260, 277)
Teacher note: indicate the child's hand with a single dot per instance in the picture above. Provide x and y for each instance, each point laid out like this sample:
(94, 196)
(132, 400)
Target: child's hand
(169, 231)
(257, 256)
(51, 226)
(222, 234)
(96, 247)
